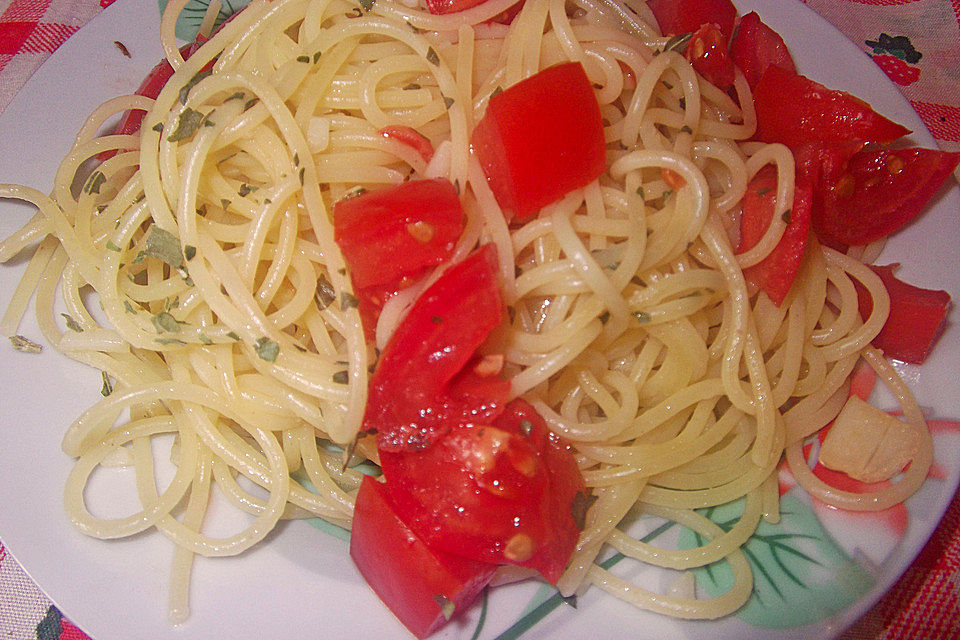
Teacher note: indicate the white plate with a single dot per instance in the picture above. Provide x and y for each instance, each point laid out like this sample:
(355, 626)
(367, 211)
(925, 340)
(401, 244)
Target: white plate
(302, 581)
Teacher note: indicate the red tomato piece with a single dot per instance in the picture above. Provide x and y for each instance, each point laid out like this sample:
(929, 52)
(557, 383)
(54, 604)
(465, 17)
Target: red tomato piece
(682, 16)
(756, 47)
(876, 192)
(398, 231)
(408, 404)
(151, 86)
(410, 137)
(440, 7)
(794, 110)
(540, 139)
(775, 273)
(422, 586)
(917, 317)
(708, 52)
(502, 493)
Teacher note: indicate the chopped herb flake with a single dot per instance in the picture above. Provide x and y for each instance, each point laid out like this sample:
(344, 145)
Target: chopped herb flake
(239, 95)
(686, 129)
(187, 124)
(185, 89)
(189, 252)
(72, 324)
(158, 127)
(325, 293)
(233, 335)
(642, 317)
(25, 345)
(526, 428)
(111, 245)
(164, 246)
(348, 300)
(246, 189)
(448, 101)
(341, 377)
(176, 341)
(432, 57)
(316, 56)
(107, 388)
(128, 307)
(367, 4)
(412, 86)
(446, 606)
(204, 338)
(267, 349)
(165, 323)
(304, 59)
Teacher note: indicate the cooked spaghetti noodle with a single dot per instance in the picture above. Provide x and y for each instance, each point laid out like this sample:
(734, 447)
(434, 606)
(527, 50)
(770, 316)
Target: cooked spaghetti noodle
(632, 330)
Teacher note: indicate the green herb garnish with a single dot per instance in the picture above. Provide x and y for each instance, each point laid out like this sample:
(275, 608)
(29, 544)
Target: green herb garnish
(267, 349)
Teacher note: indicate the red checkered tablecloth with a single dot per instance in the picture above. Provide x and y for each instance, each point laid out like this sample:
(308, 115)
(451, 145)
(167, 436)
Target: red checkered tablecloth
(916, 42)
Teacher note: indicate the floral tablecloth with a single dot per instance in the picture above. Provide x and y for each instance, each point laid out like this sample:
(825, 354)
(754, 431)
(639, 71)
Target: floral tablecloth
(915, 42)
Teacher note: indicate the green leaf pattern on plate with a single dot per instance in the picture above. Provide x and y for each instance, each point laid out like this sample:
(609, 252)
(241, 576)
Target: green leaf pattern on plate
(188, 23)
(800, 575)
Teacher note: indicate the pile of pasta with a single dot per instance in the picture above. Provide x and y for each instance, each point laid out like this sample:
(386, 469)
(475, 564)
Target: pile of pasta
(228, 319)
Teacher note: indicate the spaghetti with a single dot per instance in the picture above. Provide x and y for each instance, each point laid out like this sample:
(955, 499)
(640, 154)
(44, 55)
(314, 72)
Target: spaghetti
(633, 330)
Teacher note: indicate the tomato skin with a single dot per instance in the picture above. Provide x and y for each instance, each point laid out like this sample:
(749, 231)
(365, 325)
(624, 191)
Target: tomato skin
(793, 110)
(407, 405)
(540, 139)
(681, 16)
(441, 7)
(917, 317)
(410, 137)
(500, 493)
(756, 47)
(776, 272)
(708, 52)
(415, 223)
(405, 573)
(875, 192)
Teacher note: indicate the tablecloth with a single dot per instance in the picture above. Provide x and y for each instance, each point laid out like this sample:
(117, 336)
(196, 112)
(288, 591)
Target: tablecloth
(915, 42)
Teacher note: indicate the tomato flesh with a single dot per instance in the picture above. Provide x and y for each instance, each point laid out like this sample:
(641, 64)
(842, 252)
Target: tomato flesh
(541, 139)
(708, 52)
(793, 110)
(756, 47)
(776, 272)
(408, 405)
(501, 492)
(419, 584)
(917, 317)
(397, 232)
(875, 192)
(682, 16)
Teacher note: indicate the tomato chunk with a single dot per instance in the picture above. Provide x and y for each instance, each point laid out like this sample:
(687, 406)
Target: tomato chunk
(875, 192)
(794, 110)
(917, 317)
(756, 47)
(408, 404)
(422, 586)
(682, 16)
(776, 272)
(540, 139)
(398, 231)
(502, 492)
(708, 52)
